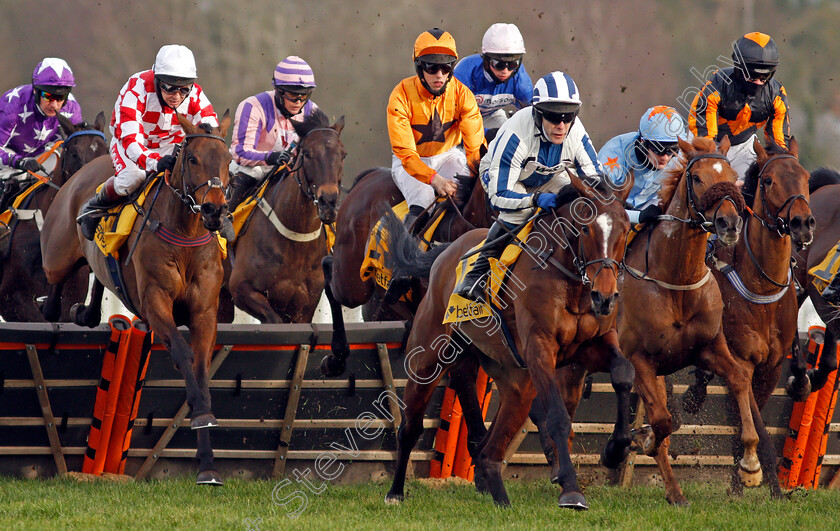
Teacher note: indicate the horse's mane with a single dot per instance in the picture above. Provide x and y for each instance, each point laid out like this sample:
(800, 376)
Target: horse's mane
(315, 120)
(673, 176)
(751, 178)
(365, 174)
(822, 177)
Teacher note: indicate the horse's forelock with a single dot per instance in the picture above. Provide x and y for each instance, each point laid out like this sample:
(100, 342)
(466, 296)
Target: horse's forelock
(315, 120)
(750, 188)
(673, 176)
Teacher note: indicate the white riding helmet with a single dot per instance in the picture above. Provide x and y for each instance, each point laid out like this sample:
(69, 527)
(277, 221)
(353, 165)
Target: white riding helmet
(556, 92)
(503, 39)
(175, 60)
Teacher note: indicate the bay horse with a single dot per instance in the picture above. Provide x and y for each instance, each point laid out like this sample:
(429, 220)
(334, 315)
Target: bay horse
(563, 314)
(22, 279)
(759, 296)
(666, 271)
(174, 276)
(276, 273)
(372, 193)
(824, 187)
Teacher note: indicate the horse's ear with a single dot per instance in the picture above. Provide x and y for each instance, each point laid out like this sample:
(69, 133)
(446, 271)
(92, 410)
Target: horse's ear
(66, 125)
(725, 144)
(189, 128)
(760, 154)
(338, 125)
(224, 123)
(578, 184)
(686, 148)
(793, 147)
(99, 122)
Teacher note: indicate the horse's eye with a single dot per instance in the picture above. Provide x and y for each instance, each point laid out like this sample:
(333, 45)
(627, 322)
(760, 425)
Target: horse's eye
(192, 159)
(585, 229)
(697, 179)
(768, 181)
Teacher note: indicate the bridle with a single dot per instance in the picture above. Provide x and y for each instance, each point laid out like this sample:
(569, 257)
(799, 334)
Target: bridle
(65, 171)
(297, 168)
(187, 193)
(776, 223)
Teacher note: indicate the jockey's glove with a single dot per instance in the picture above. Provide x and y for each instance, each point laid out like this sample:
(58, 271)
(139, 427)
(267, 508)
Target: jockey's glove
(278, 158)
(166, 162)
(29, 164)
(545, 200)
(650, 213)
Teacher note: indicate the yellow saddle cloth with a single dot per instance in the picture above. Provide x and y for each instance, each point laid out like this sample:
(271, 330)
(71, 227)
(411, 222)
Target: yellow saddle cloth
(373, 266)
(6, 217)
(113, 230)
(460, 309)
(826, 270)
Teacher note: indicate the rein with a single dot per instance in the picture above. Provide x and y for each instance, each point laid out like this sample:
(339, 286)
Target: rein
(187, 196)
(777, 223)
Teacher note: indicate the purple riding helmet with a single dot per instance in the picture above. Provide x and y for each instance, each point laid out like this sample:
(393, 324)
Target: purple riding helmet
(53, 75)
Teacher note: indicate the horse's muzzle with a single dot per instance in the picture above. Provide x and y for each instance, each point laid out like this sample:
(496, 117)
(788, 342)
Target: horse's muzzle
(327, 207)
(211, 215)
(802, 230)
(603, 306)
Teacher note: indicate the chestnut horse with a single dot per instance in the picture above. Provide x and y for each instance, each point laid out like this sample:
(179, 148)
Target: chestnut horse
(22, 278)
(168, 283)
(759, 297)
(563, 314)
(276, 273)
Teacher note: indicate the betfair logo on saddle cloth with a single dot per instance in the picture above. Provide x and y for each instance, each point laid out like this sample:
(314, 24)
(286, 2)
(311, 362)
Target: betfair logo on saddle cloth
(826, 270)
(373, 266)
(460, 309)
(113, 230)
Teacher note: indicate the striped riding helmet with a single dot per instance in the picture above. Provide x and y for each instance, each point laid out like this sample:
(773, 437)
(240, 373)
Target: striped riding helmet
(556, 92)
(293, 74)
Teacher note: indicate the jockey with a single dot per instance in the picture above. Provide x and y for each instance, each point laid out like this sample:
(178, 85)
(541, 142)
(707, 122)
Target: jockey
(646, 153)
(740, 99)
(263, 134)
(496, 76)
(28, 123)
(144, 128)
(525, 165)
(429, 116)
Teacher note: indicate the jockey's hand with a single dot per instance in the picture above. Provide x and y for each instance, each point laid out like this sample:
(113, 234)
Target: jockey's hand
(545, 200)
(278, 158)
(443, 186)
(650, 213)
(166, 163)
(29, 164)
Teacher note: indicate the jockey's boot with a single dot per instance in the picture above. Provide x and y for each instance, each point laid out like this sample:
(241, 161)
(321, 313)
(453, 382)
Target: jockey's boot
(414, 212)
(831, 293)
(470, 286)
(241, 185)
(104, 199)
(10, 189)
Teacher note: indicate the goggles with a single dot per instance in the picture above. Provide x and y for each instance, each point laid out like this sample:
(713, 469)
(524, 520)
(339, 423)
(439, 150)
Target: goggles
(559, 117)
(758, 73)
(659, 149)
(172, 89)
(498, 64)
(53, 97)
(434, 68)
(294, 97)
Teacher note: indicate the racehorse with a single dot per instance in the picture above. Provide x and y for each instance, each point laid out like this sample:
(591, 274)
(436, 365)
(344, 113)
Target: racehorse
(824, 189)
(372, 192)
(755, 281)
(175, 273)
(22, 278)
(563, 314)
(666, 271)
(276, 274)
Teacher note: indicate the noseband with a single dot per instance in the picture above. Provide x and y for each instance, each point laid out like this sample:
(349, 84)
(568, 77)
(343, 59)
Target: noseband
(579, 260)
(696, 217)
(77, 134)
(187, 196)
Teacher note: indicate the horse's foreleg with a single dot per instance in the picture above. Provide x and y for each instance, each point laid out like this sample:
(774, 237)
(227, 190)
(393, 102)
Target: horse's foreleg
(798, 385)
(255, 303)
(572, 378)
(90, 315)
(651, 389)
(463, 381)
(827, 363)
(673, 492)
(333, 364)
(621, 378)
(52, 306)
(739, 380)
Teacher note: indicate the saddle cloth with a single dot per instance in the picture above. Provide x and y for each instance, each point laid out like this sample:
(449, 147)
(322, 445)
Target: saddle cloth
(460, 309)
(826, 270)
(6, 217)
(113, 230)
(373, 266)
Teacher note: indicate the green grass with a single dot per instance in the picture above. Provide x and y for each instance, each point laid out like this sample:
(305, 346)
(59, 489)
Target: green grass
(179, 504)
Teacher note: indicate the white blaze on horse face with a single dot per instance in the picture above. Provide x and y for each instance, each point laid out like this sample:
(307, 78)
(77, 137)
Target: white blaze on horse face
(606, 225)
(718, 167)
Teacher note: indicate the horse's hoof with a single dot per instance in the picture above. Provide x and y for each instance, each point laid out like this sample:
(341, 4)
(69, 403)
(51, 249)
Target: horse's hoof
(77, 314)
(394, 499)
(679, 501)
(209, 477)
(206, 420)
(612, 458)
(750, 479)
(573, 500)
(331, 366)
(644, 440)
(796, 390)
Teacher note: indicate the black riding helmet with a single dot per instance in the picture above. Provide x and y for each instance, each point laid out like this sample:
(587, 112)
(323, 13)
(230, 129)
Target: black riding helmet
(756, 56)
